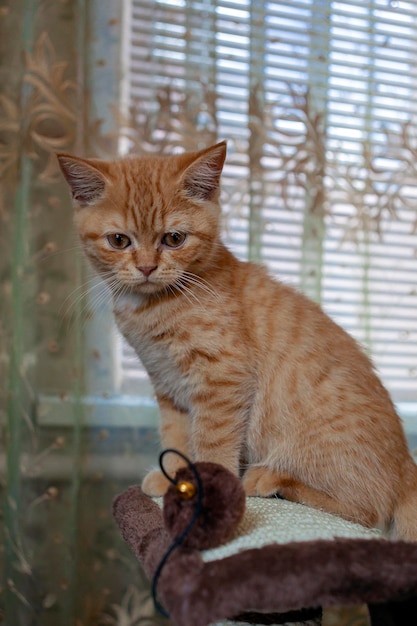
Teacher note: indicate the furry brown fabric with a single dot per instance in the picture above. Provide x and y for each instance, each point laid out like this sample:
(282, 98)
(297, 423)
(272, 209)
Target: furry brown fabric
(222, 507)
(275, 578)
(140, 522)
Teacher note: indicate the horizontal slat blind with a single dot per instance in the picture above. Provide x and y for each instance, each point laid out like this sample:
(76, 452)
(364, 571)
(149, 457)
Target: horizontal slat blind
(318, 102)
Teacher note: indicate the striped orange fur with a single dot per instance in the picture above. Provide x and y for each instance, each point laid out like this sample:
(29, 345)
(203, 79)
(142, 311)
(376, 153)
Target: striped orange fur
(247, 371)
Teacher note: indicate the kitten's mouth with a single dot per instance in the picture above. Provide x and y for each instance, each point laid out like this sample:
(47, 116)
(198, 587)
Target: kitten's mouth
(143, 286)
(148, 287)
(140, 288)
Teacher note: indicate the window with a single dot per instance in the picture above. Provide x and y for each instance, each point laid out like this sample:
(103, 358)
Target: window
(318, 102)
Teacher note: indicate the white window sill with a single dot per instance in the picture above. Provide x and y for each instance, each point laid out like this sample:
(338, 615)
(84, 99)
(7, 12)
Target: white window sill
(118, 411)
(142, 412)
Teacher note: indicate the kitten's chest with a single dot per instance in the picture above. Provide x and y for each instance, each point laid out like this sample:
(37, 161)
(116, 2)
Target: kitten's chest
(157, 342)
(160, 361)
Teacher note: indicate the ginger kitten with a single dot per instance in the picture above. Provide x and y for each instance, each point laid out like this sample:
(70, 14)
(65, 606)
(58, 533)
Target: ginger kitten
(247, 372)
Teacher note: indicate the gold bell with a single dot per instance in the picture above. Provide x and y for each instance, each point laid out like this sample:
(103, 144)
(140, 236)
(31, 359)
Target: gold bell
(186, 489)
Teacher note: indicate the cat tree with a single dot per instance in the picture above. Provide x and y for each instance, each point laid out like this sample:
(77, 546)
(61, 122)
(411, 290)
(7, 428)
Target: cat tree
(214, 554)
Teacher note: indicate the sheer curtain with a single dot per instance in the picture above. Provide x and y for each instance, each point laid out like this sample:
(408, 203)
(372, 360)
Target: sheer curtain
(318, 103)
(62, 457)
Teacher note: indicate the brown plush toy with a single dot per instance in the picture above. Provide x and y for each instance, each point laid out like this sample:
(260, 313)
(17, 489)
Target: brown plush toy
(266, 582)
(221, 509)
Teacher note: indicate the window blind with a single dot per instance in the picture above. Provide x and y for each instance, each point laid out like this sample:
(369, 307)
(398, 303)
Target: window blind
(318, 102)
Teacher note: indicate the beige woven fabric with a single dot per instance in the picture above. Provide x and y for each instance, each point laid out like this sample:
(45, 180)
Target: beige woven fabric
(272, 520)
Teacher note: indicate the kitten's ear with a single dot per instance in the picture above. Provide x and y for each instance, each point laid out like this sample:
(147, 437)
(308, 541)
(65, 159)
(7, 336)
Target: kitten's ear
(86, 181)
(201, 179)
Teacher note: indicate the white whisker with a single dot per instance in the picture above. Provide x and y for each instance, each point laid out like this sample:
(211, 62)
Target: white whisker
(84, 298)
(194, 279)
(119, 291)
(186, 292)
(46, 254)
(86, 287)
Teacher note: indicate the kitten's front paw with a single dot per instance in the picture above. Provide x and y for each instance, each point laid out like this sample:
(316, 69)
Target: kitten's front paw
(155, 484)
(260, 481)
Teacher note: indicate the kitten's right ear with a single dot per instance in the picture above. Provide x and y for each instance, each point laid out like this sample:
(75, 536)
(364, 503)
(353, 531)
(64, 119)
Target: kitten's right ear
(201, 178)
(86, 181)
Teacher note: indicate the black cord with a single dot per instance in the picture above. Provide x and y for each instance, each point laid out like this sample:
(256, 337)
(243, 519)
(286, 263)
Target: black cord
(178, 540)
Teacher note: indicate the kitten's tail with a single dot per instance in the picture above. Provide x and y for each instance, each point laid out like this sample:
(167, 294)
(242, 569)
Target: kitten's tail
(405, 513)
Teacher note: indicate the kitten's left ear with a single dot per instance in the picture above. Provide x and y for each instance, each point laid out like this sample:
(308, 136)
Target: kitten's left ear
(201, 179)
(85, 178)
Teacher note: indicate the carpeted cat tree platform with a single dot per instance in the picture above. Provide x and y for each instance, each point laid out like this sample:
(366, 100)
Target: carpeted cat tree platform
(214, 554)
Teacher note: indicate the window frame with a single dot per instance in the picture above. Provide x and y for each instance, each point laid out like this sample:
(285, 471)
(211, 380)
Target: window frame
(102, 406)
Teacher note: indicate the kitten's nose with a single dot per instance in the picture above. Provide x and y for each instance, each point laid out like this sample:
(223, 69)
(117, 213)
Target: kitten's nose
(147, 269)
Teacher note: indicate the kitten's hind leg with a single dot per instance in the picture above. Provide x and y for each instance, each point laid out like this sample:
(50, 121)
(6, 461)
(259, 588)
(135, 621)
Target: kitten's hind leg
(262, 481)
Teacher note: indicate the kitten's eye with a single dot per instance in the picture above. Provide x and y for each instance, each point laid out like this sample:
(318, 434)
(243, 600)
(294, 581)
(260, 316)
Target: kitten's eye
(119, 241)
(173, 240)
